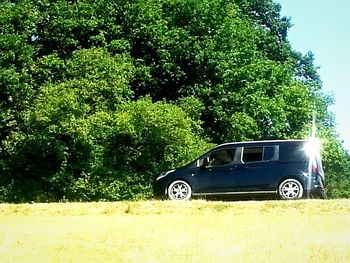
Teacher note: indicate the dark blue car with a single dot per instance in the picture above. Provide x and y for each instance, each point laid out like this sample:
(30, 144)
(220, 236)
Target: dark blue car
(290, 169)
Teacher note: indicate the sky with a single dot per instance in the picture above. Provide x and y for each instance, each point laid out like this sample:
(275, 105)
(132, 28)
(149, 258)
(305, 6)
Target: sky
(323, 27)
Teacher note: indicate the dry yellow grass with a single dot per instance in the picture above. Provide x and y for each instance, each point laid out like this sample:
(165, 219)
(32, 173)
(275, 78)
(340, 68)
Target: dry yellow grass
(197, 231)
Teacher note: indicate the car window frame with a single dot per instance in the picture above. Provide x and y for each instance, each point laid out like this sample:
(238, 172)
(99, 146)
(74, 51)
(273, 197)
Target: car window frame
(274, 158)
(235, 159)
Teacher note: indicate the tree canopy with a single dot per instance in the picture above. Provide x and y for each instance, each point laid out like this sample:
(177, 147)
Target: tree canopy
(99, 97)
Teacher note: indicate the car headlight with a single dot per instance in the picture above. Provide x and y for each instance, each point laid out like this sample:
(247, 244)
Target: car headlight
(164, 174)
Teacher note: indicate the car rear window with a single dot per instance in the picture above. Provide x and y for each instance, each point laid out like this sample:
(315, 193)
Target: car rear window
(293, 152)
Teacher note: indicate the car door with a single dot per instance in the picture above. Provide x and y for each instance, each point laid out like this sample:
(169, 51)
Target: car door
(216, 171)
(257, 170)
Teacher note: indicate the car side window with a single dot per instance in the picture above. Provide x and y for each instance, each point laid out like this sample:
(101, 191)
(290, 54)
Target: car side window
(259, 154)
(271, 153)
(253, 154)
(221, 157)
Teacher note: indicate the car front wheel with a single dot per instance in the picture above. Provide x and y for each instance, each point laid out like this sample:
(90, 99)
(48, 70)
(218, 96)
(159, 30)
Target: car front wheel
(290, 189)
(179, 191)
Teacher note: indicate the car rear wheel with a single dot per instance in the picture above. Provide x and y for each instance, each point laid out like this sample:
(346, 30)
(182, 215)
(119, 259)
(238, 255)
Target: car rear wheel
(179, 191)
(290, 189)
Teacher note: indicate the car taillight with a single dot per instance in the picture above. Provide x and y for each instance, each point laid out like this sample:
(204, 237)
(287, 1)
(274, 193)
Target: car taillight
(314, 167)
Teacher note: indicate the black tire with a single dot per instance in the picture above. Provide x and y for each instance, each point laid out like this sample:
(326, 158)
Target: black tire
(179, 190)
(290, 189)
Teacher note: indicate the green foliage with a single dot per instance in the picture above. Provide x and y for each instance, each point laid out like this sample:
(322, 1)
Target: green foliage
(54, 150)
(17, 24)
(71, 154)
(336, 163)
(99, 97)
(143, 139)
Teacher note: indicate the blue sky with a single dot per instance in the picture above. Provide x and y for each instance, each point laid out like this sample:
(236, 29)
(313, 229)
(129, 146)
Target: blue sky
(323, 27)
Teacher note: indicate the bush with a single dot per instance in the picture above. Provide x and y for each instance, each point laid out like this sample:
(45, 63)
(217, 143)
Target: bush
(103, 156)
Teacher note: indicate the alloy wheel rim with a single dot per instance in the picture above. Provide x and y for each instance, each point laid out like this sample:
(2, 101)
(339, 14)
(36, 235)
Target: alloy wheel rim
(290, 190)
(179, 191)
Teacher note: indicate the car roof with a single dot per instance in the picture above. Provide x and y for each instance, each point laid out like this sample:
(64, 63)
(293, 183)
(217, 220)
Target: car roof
(259, 142)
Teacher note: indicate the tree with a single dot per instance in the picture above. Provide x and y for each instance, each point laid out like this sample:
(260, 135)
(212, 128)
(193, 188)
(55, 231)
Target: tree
(17, 25)
(336, 161)
(97, 97)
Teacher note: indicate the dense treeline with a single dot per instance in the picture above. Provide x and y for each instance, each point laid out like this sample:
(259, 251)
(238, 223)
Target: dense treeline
(99, 97)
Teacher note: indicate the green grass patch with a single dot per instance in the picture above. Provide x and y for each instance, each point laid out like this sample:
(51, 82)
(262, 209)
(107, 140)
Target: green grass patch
(163, 231)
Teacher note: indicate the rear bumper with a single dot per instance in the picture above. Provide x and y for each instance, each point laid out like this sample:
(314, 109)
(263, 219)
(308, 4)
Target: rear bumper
(318, 192)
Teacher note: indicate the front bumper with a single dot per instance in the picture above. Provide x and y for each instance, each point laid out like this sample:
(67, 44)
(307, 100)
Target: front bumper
(159, 188)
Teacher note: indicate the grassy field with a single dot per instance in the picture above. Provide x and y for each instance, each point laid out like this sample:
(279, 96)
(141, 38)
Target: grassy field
(197, 231)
